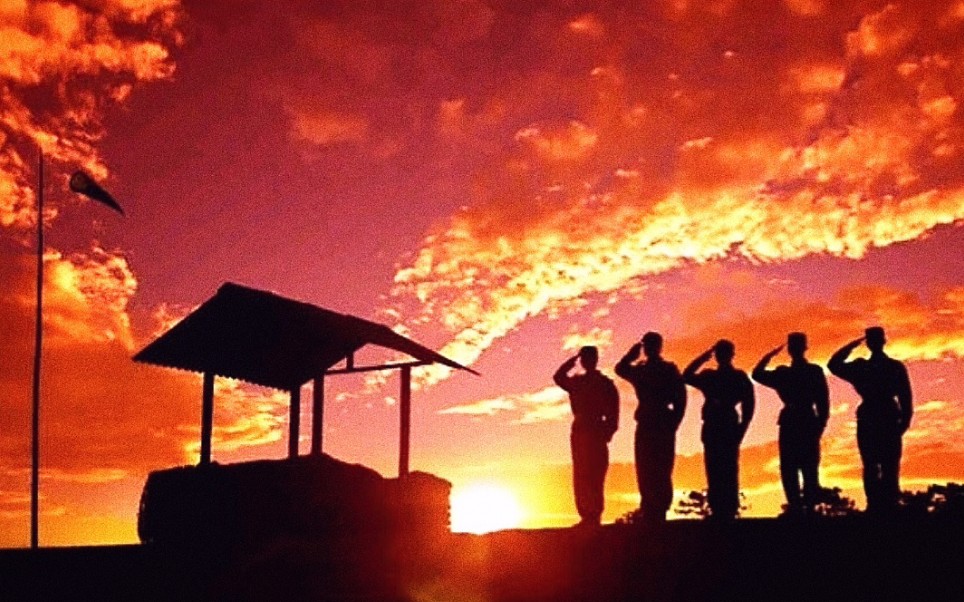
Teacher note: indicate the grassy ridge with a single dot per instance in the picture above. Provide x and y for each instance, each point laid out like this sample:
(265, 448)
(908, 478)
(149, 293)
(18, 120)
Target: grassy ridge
(766, 559)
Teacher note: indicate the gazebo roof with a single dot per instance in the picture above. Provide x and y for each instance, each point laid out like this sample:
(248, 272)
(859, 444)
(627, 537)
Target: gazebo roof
(269, 340)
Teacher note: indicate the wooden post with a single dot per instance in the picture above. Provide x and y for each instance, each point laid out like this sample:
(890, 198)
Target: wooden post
(317, 414)
(294, 422)
(207, 418)
(405, 420)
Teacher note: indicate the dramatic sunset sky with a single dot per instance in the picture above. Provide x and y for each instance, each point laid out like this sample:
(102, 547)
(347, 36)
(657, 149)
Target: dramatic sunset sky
(503, 181)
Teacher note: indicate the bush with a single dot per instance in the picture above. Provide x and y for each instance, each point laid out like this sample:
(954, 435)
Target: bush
(946, 501)
(831, 503)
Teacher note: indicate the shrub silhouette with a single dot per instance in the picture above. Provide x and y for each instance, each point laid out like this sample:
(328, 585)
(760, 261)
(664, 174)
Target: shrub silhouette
(697, 504)
(692, 503)
(633, 517)
(831, 503)
(946, 501)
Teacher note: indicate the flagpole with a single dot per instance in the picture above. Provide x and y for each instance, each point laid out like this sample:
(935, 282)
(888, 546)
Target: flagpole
(38, 344)
(83, 184)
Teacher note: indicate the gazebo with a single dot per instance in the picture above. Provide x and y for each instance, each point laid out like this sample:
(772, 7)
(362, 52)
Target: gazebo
(265, 339)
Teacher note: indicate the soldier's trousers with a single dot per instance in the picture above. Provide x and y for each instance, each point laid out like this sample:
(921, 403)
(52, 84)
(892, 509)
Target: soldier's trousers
(880, 447)
(655, 451)
(590, 461)
(800, 456)
(721, 456)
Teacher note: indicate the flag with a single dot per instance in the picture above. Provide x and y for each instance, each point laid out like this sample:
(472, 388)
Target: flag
(81, 183)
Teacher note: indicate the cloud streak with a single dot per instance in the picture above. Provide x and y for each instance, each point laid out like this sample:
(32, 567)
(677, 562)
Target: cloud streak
(837, 152)
(918, 328)
(548, 404)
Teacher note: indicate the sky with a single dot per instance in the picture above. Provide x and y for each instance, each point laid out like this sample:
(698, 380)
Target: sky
(502, 181)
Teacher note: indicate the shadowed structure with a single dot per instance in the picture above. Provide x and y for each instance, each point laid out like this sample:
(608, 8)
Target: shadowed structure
(269, 340)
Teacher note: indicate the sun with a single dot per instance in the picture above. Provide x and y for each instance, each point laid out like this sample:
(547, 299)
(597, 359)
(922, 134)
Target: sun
(484, 507)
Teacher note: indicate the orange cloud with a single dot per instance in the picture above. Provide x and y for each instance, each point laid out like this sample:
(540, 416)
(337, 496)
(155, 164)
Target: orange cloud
(587, 24)
(806, 8)
(838, 163)
(566, 143)
(887, 31)
(72, 61)
(548, 404)
(139, 11)
(249, 417)
(598, 337)
(61, 66)
(918, 329)
(327, 128)
(88, 378)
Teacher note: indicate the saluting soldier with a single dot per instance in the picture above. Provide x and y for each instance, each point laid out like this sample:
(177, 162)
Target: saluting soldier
(802, 387)
(595, 410)
(883, 416)
(662, 401)
(725, 389)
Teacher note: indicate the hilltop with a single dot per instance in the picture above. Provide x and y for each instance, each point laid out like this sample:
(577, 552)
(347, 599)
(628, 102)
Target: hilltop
(831, 559)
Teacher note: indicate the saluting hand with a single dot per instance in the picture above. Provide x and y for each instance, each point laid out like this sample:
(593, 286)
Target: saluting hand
(855, 343)
(773, 352)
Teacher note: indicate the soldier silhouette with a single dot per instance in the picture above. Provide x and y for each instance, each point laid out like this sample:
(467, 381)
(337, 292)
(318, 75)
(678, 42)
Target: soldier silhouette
(595, 410)
(724, 388)
(883, 416)
(802, 388)
(662, 402)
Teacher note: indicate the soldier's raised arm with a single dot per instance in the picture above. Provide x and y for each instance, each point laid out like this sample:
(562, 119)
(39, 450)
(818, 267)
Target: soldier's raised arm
(561, 377)
(838, 364)
(760, 372)
(690, 375)
(624, 367)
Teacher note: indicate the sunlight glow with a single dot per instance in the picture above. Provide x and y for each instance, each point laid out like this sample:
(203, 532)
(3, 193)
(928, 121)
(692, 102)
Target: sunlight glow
(484, 507)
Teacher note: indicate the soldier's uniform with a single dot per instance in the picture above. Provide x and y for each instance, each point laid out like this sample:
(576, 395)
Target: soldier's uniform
(721, 434)
(802, 387)
(595, 409)
(882, 417)
(662, 400)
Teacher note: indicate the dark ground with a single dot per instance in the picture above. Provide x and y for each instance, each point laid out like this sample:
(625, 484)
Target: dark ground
(839, 559)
